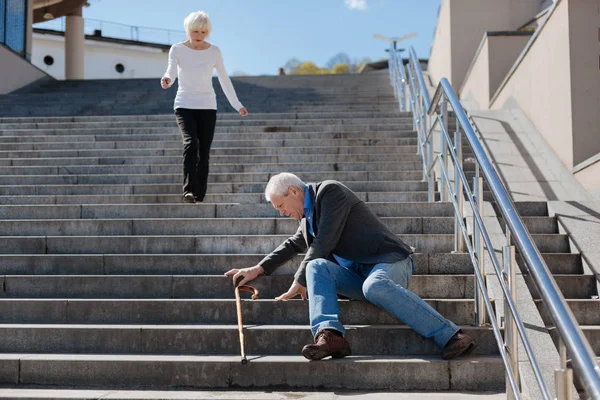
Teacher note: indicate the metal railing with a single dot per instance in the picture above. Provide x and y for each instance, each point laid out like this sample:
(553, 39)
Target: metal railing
(120, 31)
(398, 77)
(431, 114)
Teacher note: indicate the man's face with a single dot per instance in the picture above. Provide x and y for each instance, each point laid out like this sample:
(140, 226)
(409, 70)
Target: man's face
(290, 205)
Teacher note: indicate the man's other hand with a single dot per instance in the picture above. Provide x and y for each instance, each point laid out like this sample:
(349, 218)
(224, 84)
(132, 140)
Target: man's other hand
(245, 274)
(294, 290)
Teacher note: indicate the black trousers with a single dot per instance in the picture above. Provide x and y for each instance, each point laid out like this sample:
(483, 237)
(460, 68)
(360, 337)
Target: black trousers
(197, 130)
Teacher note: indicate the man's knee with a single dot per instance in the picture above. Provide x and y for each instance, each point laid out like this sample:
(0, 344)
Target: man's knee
(376, 286)
(317, 266)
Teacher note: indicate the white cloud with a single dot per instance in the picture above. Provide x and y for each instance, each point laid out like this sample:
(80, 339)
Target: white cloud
(356, 4)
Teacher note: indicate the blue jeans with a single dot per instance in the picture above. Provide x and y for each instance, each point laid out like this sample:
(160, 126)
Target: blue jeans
(384, 285)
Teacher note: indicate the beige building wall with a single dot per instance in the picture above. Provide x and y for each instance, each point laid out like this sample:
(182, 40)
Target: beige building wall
(503, 52)
(439, 65)
(541, 85)
(463, 24)
(496, 56)
(584, 43)
(589, 176)
(476, 87)
(20, 71)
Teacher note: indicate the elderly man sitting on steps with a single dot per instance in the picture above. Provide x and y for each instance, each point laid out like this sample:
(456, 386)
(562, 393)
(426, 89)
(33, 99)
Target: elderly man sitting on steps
(350, 252)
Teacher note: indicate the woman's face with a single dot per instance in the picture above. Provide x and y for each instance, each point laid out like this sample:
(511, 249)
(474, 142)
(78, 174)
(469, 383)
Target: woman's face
(198, 35)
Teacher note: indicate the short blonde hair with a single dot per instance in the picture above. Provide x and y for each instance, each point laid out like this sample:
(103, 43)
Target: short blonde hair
(197, 20)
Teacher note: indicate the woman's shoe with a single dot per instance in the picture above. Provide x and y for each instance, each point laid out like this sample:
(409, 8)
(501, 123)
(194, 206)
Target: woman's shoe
(188, 197)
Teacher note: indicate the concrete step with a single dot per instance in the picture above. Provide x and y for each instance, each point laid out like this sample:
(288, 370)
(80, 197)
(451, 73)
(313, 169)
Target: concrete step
(194, 286)
(169, 122)
(244, 198)
(380, 187)
(180, 210)
(154, 371)
(176, 151)
(188, 264)
(545, 225)
(224, 159)
(571, 286)
(176, 144)
(263, 177)
(74, 394)
(221, 116)
(194, 312)
(559, 263)
(199, 226)
(172, 134)
(530, 209)
(591, 332)
(373, 340)
(552, 243)
(191, 244)
(584, 310)
(222, 132)
(125, 108)
(218, 168)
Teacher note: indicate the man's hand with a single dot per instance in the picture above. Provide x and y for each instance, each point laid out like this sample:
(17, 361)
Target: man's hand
(247, 274)
(294, 290)
(165, 82)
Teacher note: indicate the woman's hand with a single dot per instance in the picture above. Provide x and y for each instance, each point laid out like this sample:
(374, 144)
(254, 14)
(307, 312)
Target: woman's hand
(165, 82)
(243, 112)
(294, 290)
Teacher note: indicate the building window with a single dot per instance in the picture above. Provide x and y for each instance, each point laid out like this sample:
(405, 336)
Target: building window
(120, 68)
(48, 60)
(13, 25)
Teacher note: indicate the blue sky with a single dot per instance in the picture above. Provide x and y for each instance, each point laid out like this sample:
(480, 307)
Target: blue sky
(259, 36)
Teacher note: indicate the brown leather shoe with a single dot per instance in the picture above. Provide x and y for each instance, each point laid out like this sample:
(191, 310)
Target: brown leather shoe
(327, 344)
(459, 345)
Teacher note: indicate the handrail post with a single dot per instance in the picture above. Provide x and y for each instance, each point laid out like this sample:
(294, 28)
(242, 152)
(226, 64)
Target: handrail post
(480, 316)
(510, 328)
(564, 375)
(431, 174)
(459, 243)
(443, 151)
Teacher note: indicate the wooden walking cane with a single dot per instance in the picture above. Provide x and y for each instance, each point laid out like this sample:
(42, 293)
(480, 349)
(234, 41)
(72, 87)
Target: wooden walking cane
(238, 304)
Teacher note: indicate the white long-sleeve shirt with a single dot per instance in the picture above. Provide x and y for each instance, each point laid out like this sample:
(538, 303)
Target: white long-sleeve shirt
(194, 69)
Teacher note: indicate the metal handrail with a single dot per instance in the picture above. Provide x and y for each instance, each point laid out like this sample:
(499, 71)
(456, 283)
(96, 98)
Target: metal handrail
(571, 337)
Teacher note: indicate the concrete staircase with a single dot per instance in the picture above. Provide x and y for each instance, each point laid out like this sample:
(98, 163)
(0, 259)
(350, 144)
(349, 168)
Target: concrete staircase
(110, 281)
(579, 287)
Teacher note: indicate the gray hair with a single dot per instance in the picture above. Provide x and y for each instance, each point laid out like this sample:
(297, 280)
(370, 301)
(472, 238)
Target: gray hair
(279, 184)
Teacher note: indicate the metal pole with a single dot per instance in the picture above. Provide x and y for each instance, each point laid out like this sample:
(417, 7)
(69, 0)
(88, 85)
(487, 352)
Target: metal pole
(480, 316)
(564, 375)
(459, 243)
(510, 328)
(443, 151)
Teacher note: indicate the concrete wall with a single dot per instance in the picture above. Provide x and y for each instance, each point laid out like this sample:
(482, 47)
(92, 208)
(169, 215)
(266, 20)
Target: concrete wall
(17, 72)
(460, 29)
(497, 54)
(476, 86)
(503, 52)
(557, 84)
(100, 58)
(440, 58)
(541, 85)
(584, 44)
(589, 176)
